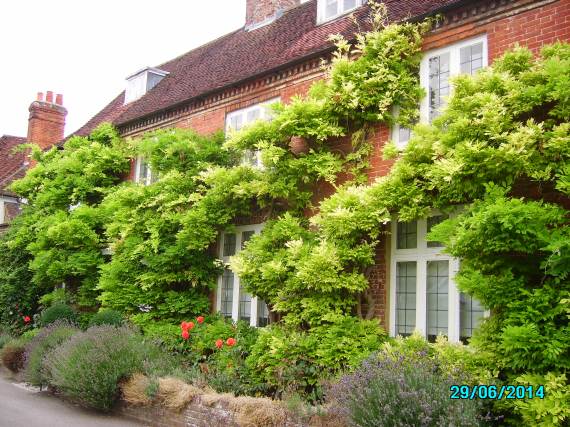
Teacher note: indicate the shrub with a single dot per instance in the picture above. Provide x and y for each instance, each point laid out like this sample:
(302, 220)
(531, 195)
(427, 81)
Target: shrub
(227, 371)
(106, 317)
(452, 358)
(89, 366)
(400, 391)
(4, 338)
(13, 352)
(57, 312)
(47, 339)
(553, 409)
(293, 361)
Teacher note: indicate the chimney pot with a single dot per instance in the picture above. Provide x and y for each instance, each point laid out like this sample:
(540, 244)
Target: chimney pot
(46, 121)
(59, 99)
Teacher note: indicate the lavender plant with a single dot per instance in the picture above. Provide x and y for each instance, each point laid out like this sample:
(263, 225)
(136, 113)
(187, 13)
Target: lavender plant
(400, 390)
(88, 367)
(47, 339)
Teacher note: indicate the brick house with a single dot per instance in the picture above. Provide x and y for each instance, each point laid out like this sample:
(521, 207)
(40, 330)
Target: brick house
(46, 125)
(276, 55)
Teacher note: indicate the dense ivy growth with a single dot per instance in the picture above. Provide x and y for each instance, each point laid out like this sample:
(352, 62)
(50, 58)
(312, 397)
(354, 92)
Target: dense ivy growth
(499, 157)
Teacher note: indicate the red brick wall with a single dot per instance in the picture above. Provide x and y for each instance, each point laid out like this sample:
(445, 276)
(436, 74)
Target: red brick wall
(533, 28)
(530, 26)
(46, 123)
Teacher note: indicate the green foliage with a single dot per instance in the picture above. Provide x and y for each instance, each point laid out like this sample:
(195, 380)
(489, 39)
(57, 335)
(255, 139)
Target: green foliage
(291, 361)
(227, 371)
(554, 408)
(503, 135)
(401, 389)
(58, 296)
(160, 258)
(47, 339)
(12, 353)
(464, 363)
(61, 228)
(106, 317)
(18, 294)
(57, 312)
(4, 339)
(88, 366)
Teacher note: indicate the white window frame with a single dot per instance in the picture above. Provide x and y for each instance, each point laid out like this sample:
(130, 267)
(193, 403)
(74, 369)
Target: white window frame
(138, 83)
(454, 67)
(3, 201)
(138, 179)
(454, 70)
(238, 230)
(264, 114)
(322, 10)
(421, 255)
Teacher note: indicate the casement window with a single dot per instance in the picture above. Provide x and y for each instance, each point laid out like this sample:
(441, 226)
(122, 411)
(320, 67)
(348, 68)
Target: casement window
(236, 120)
(423, 295)
(436, 69)
(438, 66)
(143, 173)
(232, 299)
(331, 9)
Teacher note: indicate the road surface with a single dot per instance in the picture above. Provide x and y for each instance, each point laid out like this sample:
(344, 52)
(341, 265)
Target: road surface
(25, 407)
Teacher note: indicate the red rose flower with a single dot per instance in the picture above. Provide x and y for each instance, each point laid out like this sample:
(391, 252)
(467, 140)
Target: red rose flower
(231, 342)
(27, 319)
(219, 343)
(200, 319)
(185, 334)
(184, 326)
(190, 325)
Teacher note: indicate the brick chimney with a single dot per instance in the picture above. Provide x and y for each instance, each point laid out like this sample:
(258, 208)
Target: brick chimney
(47, 120)
(261, 11)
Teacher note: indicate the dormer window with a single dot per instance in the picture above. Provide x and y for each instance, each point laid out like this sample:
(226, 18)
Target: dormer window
(331, 9)
(141, 82)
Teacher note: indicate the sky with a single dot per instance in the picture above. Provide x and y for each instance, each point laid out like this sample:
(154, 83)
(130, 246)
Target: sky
(84, 49)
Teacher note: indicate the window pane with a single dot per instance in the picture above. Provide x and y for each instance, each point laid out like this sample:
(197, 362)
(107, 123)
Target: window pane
(437, 298)
(229, 244)
(438, 83)
(405, 297)
(262, 313)
(349, 4)
(403, 135)
(244, 305)
(407, 235)
(143, 170)
(245, 236)
(250, 158)
(227, 293)
(471, 313)
(331, 8)
(253, 115)
(431, 222)
(236, 122)
(471, 58)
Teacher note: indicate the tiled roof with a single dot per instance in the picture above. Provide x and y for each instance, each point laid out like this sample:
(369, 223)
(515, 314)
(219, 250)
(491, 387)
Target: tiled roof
(107, 114)
(243, 54)
(11, 164)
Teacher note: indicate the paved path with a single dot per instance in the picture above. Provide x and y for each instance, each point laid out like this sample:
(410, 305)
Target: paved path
(24, 407)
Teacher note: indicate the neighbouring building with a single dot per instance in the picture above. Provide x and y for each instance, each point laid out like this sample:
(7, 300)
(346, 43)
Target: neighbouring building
(277, 54)
(46, 125)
